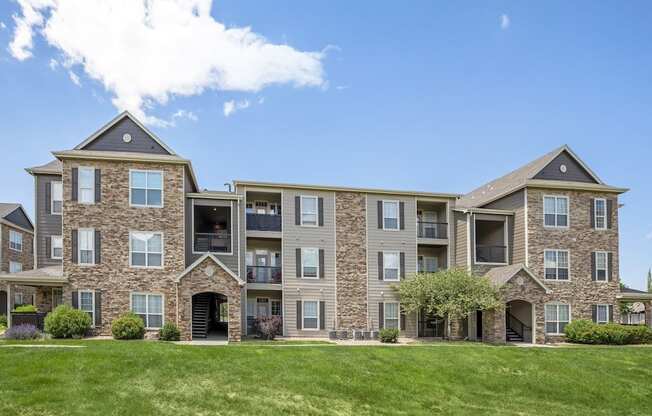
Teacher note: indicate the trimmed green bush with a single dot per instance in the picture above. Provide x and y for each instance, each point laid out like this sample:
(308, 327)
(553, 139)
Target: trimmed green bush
(169, 332)
(388, 335)
(128, 326)
(66, 322)
(3, 320)
(25, 309)
(587, 332)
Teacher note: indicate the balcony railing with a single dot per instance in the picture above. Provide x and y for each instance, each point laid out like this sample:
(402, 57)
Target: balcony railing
(213, 242)
(432, 229)
(263, 222)
(490, 254)
(264, 274)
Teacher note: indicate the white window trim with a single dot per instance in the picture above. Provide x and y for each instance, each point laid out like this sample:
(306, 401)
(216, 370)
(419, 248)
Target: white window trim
(147, 295)
(398, 269)
(398, 318)
(162, 266)
(92, 201)
(303, 250)
(606, 267)
(79, 303)
(597, 313)
(301, 198)
(595, 214)
(20, 235)
(303, 315)
(145, 171)
(398, 214)
(79, 249)
(52, 197)
(563, 227)
(52, 256)
(15, 263)
(545, 318)
(568, 253)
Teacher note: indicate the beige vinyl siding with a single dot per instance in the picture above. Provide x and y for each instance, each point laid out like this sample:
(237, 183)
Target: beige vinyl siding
(296, 236)
(514, 202)
(461, 240)
(395, 240)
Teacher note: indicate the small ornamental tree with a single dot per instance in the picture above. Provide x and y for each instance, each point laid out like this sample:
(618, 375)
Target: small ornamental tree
(453, 294)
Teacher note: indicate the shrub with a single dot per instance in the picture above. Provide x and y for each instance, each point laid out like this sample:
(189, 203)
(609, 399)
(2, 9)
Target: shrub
(25, 309)
(128, 326)
(3, 320)
(268, 326)
(169, 332)
(389, 335)
(587, 332)
(24, 331)
(66, 322)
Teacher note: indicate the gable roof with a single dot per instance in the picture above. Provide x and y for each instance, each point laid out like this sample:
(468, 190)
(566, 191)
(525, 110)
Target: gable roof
(54, 167)
(117, 119)
(501, 275)
(216, 261)
(6, 209)
(523, 176)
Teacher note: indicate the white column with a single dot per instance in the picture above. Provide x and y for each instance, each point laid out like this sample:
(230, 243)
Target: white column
(10, 303)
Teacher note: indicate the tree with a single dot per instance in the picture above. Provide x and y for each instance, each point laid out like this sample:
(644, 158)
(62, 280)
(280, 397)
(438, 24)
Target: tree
(649, 280)
(453, 293)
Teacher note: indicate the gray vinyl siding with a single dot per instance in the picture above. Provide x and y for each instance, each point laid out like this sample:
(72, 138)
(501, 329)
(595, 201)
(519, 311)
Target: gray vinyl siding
(47, 225)
(111, 140)
(514, 202)
(295, 236)
(385, 240)
(461, 239)
(229, 260)
(19, 218)
(574, 171)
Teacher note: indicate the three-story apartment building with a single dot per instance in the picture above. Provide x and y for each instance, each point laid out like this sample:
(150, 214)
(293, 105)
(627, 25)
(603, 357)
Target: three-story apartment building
(122, 225)
(16, 252)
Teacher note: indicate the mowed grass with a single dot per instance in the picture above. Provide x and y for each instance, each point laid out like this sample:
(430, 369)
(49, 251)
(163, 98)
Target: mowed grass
(143, 378)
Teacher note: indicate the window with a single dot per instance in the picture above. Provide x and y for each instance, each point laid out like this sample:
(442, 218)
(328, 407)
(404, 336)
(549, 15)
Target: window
(15, 267)
(56, 247)
(57, 297)
(390, 215)
(602, 314)
(146, 188)
(15, 240)
(18, 299)
(555, 211)
(310, 262)
(276, 308)
(86, 243)
(149, 307)
(600, 212)
(87, 303)
(249, 208)
(56, 203)
(261, 207)
(310, 314)
(391, 315)
(309, 210)
(427, 264)
(556, 264)
(275, 209)
(86, 185)
(601, 266)
(146, 249)
(557, 317)
(390, 265)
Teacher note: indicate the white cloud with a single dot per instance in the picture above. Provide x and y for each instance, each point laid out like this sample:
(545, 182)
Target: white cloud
(185, 114)
(342, 87)
(54, 64)
(232, 106)
(2, 25)
(504, 22)
(74, 78)
(146, 51)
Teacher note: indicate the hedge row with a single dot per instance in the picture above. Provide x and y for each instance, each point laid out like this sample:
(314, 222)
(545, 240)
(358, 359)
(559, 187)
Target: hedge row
(587, 332)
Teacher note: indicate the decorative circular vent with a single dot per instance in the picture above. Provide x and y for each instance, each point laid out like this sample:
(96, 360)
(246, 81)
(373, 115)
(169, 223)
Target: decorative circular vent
(562, 168)
(126, 138)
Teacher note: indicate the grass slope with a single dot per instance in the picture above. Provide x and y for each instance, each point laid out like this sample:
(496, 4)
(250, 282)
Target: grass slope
(142, 378)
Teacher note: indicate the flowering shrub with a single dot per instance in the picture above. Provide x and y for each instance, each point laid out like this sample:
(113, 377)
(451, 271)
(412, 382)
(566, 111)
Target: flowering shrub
(24, 331)
(269, 326)
(169, 332)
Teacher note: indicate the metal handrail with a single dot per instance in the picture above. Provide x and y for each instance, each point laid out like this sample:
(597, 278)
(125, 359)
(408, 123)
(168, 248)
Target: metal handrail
(490, 253)
(264, 222)
(213, 242)
(264, 274)
(520, 327)
(428, 229)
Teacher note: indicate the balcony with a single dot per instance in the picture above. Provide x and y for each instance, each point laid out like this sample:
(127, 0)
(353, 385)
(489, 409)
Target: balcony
(213, 242)
(263, 222)
(264, 274)
(436, 230)
(490, 254)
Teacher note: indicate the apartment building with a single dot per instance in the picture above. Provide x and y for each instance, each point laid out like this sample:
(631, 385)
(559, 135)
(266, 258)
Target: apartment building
(122, 224)
(16, 252)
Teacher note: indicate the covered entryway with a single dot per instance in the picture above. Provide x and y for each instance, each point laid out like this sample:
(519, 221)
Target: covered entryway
(431, 325)
(210, 316)
(519, 316)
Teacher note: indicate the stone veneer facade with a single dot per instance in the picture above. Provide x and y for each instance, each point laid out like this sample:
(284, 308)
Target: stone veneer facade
(115, 218)
(351, 260)
(24, 257)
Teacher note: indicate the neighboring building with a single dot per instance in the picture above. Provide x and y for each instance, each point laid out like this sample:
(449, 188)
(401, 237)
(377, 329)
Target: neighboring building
(16, 252)
(121, 224)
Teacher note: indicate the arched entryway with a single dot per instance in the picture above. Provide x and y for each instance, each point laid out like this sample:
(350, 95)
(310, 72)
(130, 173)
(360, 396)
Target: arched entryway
(210, 316)
(519, 321)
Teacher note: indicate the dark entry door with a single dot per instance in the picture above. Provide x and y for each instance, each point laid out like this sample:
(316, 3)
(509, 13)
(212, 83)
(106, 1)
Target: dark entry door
(430, 325)
(478, 325)
(3, 302)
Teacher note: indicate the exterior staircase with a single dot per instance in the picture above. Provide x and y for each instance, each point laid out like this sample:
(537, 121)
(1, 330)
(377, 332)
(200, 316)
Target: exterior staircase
(200, 310)
(513, 336)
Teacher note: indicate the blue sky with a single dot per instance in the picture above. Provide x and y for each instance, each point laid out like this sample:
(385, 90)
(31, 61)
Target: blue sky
(421, 95)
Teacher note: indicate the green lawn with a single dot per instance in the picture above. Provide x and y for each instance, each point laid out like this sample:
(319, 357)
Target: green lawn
(142, 378)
